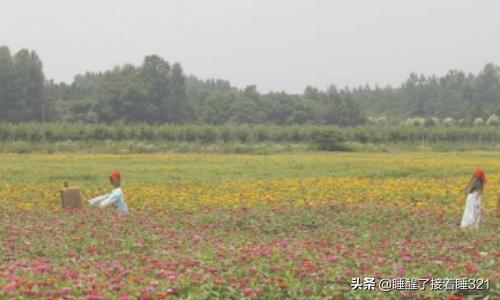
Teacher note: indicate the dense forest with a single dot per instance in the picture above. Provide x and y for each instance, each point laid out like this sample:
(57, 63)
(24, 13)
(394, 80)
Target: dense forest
(158, 91)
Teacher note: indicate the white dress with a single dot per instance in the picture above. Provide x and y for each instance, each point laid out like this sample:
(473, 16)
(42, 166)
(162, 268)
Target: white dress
(116, 198)
(472, 212)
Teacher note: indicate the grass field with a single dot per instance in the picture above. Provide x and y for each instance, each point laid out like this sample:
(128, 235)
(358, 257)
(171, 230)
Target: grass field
(298, 225)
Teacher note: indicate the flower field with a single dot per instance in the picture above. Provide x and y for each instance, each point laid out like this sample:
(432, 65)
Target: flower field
(290, 226)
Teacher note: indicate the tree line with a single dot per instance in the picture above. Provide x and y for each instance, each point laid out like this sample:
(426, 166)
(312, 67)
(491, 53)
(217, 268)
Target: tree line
(158, 92)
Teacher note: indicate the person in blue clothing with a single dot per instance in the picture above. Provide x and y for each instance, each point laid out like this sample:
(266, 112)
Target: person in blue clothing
(115, 198)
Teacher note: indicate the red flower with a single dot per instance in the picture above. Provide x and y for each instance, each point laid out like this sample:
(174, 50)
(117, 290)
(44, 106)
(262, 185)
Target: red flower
(470, 268)
(91, 250)
(282, 285)
(9, 287)
(145, 297)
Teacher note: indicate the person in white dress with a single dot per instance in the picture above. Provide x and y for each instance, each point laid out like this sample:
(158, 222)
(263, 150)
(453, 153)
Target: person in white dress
(115, 198)
(472, 212)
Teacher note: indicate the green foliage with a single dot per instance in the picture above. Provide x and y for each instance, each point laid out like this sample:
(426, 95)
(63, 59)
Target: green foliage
(330, 140)
(457, 95)
(157, 92)
(21, 87)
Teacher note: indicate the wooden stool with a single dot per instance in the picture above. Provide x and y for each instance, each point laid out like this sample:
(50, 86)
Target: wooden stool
(70, 197)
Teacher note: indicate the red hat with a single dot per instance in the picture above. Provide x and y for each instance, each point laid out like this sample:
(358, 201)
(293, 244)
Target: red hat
(115, 175)
(480, 173)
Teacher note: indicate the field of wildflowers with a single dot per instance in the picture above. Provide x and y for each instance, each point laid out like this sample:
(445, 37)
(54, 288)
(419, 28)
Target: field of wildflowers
(290, 226)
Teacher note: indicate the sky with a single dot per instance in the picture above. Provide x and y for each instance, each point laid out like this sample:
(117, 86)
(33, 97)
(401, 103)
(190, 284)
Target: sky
(279, 45)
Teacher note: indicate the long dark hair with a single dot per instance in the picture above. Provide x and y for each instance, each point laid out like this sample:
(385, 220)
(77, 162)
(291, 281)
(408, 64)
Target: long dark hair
(475, 185)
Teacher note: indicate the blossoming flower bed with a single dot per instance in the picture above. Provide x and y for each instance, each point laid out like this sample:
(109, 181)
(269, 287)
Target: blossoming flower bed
(256, 227)
(272, 253)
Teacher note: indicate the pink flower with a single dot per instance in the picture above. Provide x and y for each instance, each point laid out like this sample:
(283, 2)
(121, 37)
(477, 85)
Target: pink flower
(63, 292)
(246, 291)
(69, 274)
(94, 295)
(167, 274)
(123, 296)
(196, 239)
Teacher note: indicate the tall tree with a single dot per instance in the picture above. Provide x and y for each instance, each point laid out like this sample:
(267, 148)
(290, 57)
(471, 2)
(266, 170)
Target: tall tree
(486, 91)
(156, 77)
(122, 97)
(29, 85)
(6, 84)
(341, 109)
(178, 109)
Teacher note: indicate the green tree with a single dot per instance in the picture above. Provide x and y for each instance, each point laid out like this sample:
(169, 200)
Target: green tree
(486, 91)
(6, 84)
(156, 77)
(215, 108)
(341, 109)
(122, 97)
(29, 87)
(177, 108)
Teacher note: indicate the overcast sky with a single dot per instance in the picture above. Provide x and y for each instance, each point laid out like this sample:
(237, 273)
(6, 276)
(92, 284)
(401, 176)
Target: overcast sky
(276, 44)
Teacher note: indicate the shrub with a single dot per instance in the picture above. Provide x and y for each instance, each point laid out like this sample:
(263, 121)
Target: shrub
(463, 122)
(448, 122)
(415, 122)
(478, 122)
(381, 121)
(430, 122)
(493, 121)
(330, 140)
(377, 121)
